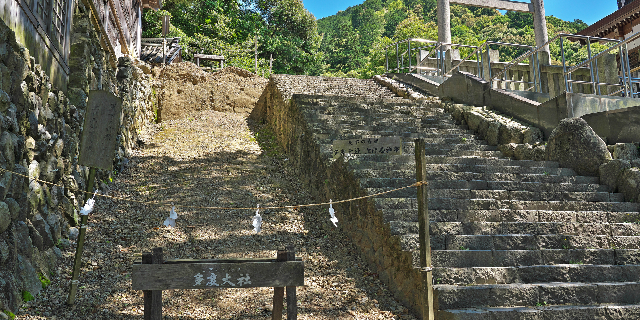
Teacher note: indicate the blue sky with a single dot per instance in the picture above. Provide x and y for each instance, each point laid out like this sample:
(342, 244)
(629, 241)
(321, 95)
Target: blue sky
(588, 11)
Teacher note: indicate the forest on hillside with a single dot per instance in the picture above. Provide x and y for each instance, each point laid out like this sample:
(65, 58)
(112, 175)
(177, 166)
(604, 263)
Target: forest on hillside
(353, 40)
(284, 30)
(348, 44)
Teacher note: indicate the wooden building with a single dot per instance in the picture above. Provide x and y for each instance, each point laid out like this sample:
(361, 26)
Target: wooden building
(620, 25)
(44, 28)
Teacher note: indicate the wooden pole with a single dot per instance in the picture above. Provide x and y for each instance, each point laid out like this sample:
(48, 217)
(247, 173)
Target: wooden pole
(255, 51)
(278, 292)
(292, 301)
(83, 229)
(423, 226)
(153, 298)
(270, 62)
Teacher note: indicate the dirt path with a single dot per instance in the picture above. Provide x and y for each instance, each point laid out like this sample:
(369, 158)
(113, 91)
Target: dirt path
(212, 159)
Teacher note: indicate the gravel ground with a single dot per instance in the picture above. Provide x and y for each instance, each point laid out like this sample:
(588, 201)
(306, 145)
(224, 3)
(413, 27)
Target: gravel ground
(212, 159)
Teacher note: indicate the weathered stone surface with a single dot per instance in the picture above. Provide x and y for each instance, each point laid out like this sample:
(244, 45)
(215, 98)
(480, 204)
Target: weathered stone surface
(36, 196)
(523, 151)
(625, 151)
(55, 228)
(43, 230)
(4, 252)
(575, 145)
(14, 207)
(511, 133)
(611, 172)
(36, 238)
(629, 183)
(508, 150)
(493, 133)
(5, 217)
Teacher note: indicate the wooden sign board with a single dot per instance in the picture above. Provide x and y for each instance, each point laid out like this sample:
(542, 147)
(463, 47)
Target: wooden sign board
(100, 131)
(380, 145)
(217, 275)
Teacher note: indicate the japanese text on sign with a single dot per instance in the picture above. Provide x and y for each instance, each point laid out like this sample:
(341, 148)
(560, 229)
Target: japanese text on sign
(380, 145)
(212, 278)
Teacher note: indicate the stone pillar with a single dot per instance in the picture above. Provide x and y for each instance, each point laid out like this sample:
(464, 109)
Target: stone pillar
(444, 30)
(444, 21)
(540, 30)
(449, 57)
(489, 56)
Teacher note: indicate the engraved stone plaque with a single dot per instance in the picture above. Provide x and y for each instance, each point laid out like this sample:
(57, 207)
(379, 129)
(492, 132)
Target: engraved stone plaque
(380, 145)
(101, 124)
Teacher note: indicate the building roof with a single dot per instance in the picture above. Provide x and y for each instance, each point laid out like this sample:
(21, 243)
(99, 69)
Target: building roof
(612, 22)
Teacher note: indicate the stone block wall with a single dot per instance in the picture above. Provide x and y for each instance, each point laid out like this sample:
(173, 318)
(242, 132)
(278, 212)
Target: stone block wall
(40, 129)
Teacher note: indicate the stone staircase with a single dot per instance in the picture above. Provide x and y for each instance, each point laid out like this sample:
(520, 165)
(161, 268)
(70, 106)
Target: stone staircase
(510, 239)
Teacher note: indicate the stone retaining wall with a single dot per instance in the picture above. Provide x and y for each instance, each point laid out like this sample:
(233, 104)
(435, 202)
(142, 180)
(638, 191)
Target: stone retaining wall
(332, 179)
(41, 129)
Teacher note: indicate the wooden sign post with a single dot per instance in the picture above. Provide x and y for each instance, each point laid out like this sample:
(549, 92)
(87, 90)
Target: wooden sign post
(423, 227)
(154, 275)
(97, 150)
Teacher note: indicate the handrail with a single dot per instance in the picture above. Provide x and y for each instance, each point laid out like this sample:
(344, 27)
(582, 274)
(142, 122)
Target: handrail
(619, 44)
(525, 55)
(478, 49)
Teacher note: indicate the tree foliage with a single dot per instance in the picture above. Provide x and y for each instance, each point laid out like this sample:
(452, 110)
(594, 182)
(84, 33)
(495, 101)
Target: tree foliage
(284, 30)
(354, 39)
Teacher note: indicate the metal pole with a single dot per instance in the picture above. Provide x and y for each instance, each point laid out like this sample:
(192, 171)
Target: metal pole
(532, 62)
(255, 52)
(593, 83)
(478, 63)
(626, 51)
(539, 72)
(386, 60)
(597, 75)
(564, 67)
(409, 49)
(397, 59)
(623, 72)
(83, 228)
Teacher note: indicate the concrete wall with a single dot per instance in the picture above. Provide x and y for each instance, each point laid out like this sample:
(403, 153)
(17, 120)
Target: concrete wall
(616, 126)
(468, 89)
(551, 76)
(41, 129)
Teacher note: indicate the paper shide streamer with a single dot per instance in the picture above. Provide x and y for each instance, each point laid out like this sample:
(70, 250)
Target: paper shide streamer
(88, 206)
(257, 221)
(171, 221)
(332, 213)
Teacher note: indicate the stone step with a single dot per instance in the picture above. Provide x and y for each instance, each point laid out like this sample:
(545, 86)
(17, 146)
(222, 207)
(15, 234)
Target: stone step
(558, 293)
(368, 119)
(523, 242)
(472, 161)
(505, 258)
(407, 148)
(509, 215)
(383, 130)
(492, 204)
(544, 311)
(558, 192)
(401, 179)
(401, 164)
(533, 228)
(574, 272)
(452, 136)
